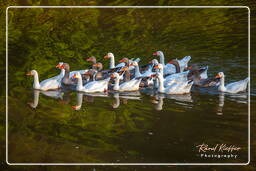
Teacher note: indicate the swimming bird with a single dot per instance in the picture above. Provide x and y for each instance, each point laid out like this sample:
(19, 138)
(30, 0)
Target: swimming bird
(91, 87)
(170, 68)
(234, 87)
(175, 88)
(131, 85)
(48, 84)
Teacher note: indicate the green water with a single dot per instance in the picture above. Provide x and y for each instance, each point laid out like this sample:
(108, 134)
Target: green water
(139, 127)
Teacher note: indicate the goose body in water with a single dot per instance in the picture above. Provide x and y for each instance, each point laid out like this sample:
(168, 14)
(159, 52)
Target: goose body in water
(48, 84)
(200, 77)
(235, 87)
(173, 78)
(131, 85)
(170, 68)
(175, 88)
(91, 87)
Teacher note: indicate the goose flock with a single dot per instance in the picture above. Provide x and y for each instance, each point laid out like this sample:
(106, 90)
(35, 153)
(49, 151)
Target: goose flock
(175, 77)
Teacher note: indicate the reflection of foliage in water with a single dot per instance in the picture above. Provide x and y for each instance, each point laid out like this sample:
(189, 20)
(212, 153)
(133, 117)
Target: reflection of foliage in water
(91, 129)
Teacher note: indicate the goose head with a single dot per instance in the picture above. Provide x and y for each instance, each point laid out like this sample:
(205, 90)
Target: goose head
(114, 75)
(109, 55)
(65, 66)
(159, 66)
(98, 65)
(134, 63)
(33, 72)
(154, 61)
(59, 65)
(220, 75)
(76, 75)
(158, 53)
(91, 59)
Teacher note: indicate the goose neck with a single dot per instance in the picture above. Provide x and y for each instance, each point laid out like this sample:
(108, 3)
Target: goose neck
(222, 84)
(112, 62)
(36, 84)
(162, 59)
(161, 84)
(116, 85)
(137, 71)
(79, 82)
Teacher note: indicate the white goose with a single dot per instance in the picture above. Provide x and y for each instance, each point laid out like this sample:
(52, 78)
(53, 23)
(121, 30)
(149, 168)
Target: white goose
(234, 87)
(112, 61)
(147, 73)
(131, 85)
(175, 88)
(174, 78)
(91, 87)
(48, 84)
(170, 68)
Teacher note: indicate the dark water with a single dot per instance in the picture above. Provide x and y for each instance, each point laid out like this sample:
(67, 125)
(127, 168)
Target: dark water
(138, 127)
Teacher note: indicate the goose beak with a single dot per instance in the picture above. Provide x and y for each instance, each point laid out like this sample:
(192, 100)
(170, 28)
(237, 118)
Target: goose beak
(156, 67)
(29, 73)
(106, 57)
(95, 65)
(130, 64)
(89, 59)
(58, 66)
(155, 53)
(218, 76)
(74, 76)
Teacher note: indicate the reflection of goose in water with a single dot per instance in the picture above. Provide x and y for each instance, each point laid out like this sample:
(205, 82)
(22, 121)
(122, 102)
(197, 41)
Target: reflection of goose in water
(89, 97)
(159, 101)
(36, 99)
(125, 97)
(98, 94)
(131, 93)
(148, 91)
(239, 98)
(221, 103)
(180, 97)
(116, 103)
(66, 97)
(79, 101)
(53, 94)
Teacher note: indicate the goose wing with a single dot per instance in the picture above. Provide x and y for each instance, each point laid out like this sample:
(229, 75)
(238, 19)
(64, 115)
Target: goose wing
(237, 86)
